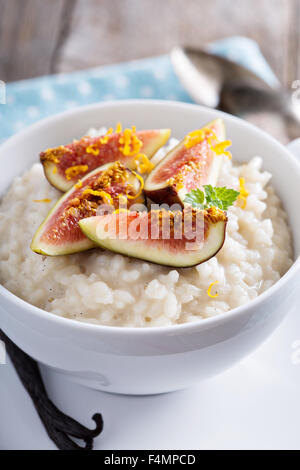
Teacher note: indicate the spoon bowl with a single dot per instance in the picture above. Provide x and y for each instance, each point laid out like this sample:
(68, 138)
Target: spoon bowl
(217, 82)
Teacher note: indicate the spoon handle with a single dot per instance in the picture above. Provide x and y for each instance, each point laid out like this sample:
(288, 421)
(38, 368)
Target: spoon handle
(241, 99)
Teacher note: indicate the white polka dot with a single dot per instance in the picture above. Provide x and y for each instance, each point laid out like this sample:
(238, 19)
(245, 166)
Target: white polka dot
(18, 125)
(33, 112)
(121, 81)
(160, 74)
(61, 78)
(47, 94)
(108, 97)
(84, 88)
(10, 99)
(70, 104)
(146, 91)
(172, 97)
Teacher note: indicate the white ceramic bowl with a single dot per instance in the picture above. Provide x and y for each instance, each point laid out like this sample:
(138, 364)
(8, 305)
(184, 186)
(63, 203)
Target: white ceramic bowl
(153, 360)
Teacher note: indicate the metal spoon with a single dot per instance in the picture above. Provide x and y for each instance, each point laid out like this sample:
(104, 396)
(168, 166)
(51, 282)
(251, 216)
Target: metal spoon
(217, 82)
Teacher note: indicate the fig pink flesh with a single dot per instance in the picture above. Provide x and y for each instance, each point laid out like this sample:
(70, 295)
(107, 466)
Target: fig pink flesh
(60, 231)
(192, 166)
(76, 154)
(144, 237)
(181, 158)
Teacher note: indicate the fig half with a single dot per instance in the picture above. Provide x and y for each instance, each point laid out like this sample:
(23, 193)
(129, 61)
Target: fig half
(64, 165)
(179, 239)
(107, 186)
(189, 165)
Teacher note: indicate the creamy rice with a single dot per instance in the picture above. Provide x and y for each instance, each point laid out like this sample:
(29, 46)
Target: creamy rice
(111, 289)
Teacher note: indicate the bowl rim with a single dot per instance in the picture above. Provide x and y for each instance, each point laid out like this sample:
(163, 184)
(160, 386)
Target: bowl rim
(201, 324)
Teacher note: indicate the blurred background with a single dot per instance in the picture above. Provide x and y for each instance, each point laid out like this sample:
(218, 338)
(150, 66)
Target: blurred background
(45, 37)
(40, 37)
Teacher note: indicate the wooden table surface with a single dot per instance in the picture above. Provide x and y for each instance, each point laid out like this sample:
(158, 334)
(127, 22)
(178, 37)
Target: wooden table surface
(40, 37)
(46, 36)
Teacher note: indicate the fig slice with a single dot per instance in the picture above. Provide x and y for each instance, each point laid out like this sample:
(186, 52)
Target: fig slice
(189, 165)
(193, 236)
(64, 165)
(109, 186)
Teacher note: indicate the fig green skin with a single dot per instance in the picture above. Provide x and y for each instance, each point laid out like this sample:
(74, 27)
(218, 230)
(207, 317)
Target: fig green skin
(150, 147)
(169, 194)
(173, 264)
(69, 247)
(143, 248)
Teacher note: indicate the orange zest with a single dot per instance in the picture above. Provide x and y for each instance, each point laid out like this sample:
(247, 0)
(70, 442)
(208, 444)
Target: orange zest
(243, 193)
(129, 142)
(220, 148)
(196, 137)
(78, 184)
(199, 135)
(103, 194)
(75, 170)
(209, 290)
(143, 164)
(118, 128)
(54, 154)
(105, 138)
(42, 200)
(93, 149)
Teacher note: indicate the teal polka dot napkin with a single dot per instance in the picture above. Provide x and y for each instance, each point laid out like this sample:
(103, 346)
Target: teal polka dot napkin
(31, 100)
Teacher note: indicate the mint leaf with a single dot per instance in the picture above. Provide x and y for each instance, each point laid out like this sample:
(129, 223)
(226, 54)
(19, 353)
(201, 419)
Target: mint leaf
(227, 196)
(219, 197)
(195, 198)
(213, 197)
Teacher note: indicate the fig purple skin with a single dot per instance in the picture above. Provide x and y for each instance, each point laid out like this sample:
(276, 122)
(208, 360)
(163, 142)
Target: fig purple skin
(88, 153)
(108, 233)
(184, 169)
(60, 233)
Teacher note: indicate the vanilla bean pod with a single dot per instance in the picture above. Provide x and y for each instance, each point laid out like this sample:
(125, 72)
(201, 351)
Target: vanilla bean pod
(58, 425)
